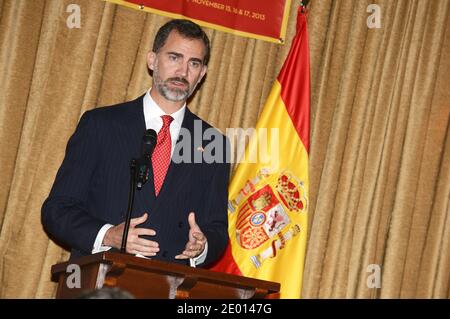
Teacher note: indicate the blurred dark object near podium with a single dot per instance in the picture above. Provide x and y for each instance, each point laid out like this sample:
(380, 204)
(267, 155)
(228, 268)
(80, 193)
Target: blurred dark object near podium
(106, 293)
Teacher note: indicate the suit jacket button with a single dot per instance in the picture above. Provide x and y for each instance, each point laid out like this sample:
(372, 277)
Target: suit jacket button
(164, 253)
(180, 224)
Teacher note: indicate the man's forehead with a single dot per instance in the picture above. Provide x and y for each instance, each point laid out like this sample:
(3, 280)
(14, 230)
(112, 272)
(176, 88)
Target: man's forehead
(180, 44)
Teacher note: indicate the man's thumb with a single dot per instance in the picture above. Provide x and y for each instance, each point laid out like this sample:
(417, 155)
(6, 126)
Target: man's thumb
(191, 219)
(139, 220)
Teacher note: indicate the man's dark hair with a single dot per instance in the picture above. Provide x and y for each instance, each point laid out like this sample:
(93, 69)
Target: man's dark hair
(185, 28)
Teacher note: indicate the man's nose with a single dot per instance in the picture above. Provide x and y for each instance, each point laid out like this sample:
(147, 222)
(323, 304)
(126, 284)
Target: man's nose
(182, 69)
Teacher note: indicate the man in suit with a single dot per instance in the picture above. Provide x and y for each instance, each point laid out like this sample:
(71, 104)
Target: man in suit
(180, 215)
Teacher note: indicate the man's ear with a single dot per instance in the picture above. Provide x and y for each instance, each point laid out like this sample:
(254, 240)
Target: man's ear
(151, 58)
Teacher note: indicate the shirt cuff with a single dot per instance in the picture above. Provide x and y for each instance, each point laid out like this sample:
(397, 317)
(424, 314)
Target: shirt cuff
(98, 244)
(200, 258)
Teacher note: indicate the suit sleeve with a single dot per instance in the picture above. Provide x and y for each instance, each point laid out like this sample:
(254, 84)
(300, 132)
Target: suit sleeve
(216, 228)
(65, 215)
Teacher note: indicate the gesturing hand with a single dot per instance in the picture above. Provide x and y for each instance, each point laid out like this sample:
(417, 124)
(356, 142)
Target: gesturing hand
(197, 240)
(135, 244)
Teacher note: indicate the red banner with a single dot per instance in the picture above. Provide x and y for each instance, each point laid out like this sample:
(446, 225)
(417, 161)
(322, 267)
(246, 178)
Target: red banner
(262, 19)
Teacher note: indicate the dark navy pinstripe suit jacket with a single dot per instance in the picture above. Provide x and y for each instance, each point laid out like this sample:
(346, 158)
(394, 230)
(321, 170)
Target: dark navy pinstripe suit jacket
(92, 184)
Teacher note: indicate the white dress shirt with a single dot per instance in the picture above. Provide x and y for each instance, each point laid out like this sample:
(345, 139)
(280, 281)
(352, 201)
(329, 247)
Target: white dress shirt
(153, 120)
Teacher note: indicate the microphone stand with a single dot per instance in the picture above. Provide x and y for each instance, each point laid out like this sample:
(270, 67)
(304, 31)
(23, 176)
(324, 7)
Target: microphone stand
(123, 247)
(138, 177)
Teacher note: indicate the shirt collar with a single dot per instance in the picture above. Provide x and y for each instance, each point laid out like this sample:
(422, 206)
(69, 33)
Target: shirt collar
(152, 111)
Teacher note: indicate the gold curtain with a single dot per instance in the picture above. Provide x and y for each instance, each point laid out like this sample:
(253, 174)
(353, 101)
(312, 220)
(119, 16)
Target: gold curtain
(380, 146)
(380, 174)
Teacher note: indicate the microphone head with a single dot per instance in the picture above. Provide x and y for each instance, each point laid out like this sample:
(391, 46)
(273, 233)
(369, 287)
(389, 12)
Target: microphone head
(149, 142)
(150, 136)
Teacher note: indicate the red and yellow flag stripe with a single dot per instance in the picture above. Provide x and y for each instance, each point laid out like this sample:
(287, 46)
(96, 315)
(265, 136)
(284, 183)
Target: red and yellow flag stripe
(268, 216)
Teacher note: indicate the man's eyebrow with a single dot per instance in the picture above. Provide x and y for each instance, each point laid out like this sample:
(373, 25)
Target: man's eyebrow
(179, 55)
(196, 60)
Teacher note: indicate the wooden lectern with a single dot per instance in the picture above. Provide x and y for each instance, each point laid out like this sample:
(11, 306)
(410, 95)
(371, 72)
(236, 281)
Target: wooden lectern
(145, 278)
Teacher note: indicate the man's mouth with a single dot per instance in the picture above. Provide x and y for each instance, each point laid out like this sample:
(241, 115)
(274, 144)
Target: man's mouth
(179, 83)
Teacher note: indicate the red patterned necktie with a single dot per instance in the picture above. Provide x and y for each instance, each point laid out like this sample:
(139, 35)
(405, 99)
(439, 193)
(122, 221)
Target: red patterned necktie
(161, 154)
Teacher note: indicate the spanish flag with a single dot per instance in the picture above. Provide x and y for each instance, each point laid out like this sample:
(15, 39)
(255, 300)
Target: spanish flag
(268, 199)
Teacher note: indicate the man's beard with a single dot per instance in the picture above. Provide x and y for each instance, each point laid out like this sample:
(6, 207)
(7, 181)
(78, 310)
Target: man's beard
(172, 94)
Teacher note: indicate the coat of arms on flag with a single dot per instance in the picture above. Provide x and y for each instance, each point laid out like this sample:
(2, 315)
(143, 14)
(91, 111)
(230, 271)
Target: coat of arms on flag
(263, 217)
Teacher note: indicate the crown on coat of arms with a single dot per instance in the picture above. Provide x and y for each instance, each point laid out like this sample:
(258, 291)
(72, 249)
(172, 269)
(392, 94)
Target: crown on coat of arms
(289, 189)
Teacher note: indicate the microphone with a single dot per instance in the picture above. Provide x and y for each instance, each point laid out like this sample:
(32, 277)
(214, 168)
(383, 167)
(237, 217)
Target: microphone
(138, 178)
(144, 163)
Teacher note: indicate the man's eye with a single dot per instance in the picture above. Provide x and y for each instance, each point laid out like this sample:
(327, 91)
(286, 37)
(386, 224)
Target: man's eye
(195, 64)
(173, 57)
